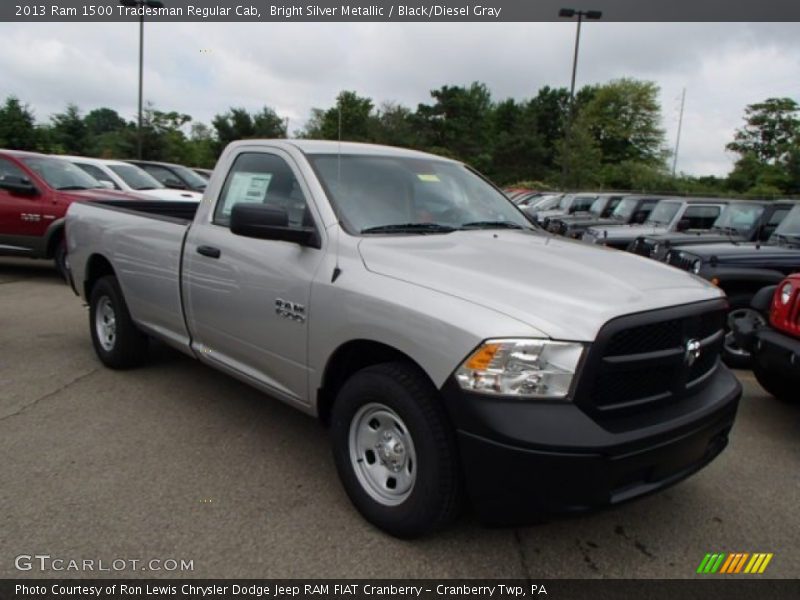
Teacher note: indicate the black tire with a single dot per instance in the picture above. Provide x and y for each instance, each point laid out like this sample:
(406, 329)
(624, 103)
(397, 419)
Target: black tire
(775, 384)
(128, 346)
(60, 258)
(434, 499)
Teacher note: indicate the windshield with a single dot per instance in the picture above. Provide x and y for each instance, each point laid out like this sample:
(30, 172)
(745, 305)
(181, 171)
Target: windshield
(566, 200)
(581, 203)
(790, 226)
(740, 217)
(193, 179)
(663, 213)
(136, 178)
(546, 203)
(60, 174)
(625, 209)
(411, 194)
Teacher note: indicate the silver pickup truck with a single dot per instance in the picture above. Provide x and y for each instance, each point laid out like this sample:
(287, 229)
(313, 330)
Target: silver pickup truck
(453, 350)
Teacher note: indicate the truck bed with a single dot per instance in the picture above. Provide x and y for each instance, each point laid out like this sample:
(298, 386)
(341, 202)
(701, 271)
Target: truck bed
(143, 240)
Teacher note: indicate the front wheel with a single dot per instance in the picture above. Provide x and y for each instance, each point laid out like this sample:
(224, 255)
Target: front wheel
(117, 341)
(775, 384)
(395, 450)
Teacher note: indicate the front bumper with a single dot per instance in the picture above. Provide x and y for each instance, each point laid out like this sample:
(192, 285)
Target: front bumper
(778, 353)
(524, 458)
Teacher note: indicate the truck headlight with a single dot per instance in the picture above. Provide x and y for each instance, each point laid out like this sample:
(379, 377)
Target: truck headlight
(786, 293)
(527, 368)
(696, 266)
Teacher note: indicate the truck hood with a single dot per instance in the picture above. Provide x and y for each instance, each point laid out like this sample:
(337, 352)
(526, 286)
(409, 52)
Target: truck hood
(565, 289)
(676, 238)
(742, 254)
(627, 232)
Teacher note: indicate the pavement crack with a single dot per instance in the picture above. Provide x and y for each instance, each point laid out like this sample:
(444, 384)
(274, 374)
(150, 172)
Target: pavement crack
(523, 560)
(26, 407)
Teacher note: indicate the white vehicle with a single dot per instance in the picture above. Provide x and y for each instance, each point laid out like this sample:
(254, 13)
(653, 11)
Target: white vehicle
(118, 175)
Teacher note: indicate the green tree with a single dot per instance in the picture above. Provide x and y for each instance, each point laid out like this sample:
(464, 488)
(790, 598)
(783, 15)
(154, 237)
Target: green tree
(69, 132)
(352, 111)
(771, 130)
(579, 156)
(458, 122)
(238, 124)
(769, 149)
(624, 118)
(17, 130)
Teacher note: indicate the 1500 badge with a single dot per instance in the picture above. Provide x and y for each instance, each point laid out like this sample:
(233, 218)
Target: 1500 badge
(290, 310)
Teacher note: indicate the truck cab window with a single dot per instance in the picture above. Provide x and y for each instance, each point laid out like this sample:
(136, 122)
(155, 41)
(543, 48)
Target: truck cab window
(9, 169)
(259, 178)
(701, 217)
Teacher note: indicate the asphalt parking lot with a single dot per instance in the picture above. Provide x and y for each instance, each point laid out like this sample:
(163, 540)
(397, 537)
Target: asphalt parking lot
(177, 461)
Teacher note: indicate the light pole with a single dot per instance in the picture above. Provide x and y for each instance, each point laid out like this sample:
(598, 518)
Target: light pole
(141, 4)
(569, 13)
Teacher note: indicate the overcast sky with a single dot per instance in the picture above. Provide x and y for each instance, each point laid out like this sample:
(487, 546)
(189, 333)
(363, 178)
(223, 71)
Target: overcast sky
(204, 68)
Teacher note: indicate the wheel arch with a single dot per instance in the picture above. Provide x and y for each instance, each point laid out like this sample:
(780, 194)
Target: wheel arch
(97, 266)
(347, 359)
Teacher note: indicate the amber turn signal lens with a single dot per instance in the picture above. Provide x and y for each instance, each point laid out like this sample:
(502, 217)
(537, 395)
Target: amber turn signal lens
(482, 357)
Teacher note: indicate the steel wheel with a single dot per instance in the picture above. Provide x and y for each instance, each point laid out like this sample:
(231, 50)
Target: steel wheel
(105, 323)
(382, 454)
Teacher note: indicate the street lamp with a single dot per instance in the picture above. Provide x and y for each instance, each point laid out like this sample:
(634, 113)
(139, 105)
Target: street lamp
(141, 4)
(569, 13)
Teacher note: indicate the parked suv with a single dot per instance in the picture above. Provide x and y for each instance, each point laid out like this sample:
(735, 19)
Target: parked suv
(631, 209)
(119, 175)
(602, 208)
(671, 214)
(176, 177)
(567, 205)
(775, 341)
(741, 269)
(740, 221)
(35, 191)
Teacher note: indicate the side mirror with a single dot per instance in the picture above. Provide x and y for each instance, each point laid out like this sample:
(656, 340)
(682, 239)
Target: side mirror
(106, 184)
(640, 216)
(18, 185)
(684, 224)
(263, 222)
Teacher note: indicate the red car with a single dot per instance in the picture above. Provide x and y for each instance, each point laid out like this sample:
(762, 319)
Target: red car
(776, 347)
(35, 191)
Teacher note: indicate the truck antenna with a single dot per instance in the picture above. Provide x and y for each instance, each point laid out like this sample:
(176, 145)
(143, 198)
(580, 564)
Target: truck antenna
(336, 269)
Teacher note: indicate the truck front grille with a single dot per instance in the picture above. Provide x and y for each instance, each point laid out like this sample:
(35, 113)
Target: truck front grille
(651, 359)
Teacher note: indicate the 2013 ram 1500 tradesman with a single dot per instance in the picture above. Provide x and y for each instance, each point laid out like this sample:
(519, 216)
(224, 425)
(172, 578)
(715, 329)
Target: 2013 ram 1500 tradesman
(453, 349)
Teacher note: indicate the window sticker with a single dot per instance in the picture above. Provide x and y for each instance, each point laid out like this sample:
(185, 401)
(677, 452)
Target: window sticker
(429, 177)
(249, 188)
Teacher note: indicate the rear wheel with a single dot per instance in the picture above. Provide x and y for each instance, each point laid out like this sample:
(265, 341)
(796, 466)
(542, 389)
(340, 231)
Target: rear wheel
(395, 450)
(60, 258)
(117, 341)
(774, 383)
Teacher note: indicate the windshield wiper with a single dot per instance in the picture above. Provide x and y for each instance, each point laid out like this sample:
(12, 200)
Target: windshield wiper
(788, 237)
(491, 225)
(75, 187)
(410, 228)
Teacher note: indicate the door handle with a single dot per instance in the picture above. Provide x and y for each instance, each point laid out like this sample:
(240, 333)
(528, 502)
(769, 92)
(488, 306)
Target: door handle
(209, 251)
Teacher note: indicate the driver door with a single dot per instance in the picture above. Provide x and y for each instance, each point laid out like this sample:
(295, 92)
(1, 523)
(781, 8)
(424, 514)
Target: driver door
(238, 288)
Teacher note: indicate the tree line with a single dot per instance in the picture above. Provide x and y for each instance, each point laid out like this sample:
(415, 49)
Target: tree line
(609, 137)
